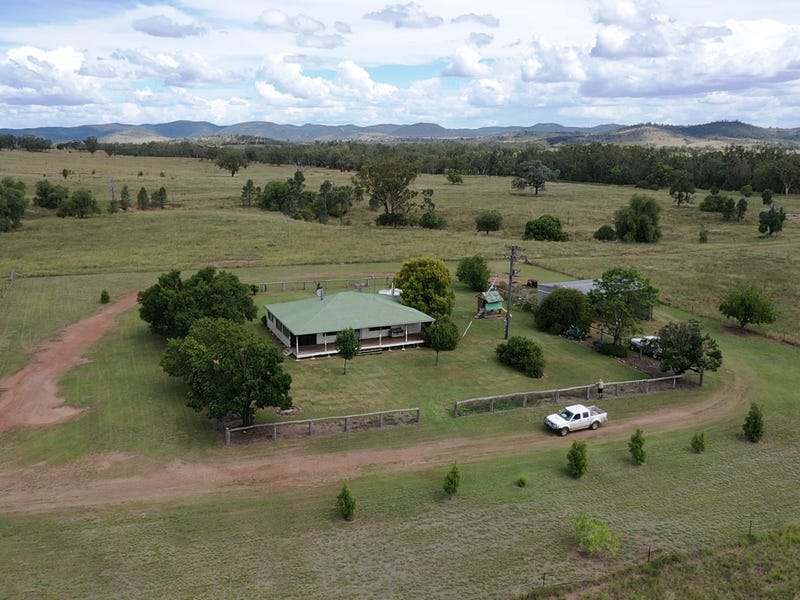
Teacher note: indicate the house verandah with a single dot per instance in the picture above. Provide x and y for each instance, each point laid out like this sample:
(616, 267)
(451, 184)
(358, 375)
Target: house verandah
(307, 328)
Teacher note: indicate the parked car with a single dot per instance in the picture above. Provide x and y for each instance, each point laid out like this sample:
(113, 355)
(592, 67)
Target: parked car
(575, 417)
(646, 344)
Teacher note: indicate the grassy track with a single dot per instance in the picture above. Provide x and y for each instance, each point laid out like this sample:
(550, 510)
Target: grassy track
(496, 541)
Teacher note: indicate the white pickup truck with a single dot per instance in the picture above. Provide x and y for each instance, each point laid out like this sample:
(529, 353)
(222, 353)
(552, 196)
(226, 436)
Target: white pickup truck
(575, 417)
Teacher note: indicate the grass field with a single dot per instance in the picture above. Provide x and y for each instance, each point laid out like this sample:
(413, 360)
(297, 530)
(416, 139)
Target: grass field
(258, 537)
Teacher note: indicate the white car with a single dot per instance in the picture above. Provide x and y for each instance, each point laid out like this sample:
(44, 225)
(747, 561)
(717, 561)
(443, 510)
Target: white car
(646, 344)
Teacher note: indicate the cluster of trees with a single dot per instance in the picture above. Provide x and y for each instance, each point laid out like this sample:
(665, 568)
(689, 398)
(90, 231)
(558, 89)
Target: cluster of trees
(622, 298)
(144, 200)
(227, 368)
(292, 199)
(30, 143)
(79, 203)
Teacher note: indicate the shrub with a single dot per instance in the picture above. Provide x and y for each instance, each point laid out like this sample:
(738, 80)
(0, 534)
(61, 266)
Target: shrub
(605, 234)
(522, 354)
(703, 237)
(474, 271)
(452, 481)
(754, 423)
(562, 309)
(104, 297)
(546, 228)
(636, 447)
(699, 442)
(594, 535)
(766, 197)
(521, 481)
(432, 220)
(346, 503)
(577, 459)
(611, 349)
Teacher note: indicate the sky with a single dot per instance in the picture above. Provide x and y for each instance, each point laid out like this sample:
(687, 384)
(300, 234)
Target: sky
(463, 64)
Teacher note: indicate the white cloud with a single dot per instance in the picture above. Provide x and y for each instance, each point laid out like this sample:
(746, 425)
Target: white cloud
(479, 40)
(409, 15)
(362, 62)
(485, 19)
(163, 26)
(465, 62)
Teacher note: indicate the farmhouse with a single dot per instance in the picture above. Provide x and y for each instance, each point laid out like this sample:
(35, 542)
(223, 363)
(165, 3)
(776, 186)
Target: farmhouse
(308, 327)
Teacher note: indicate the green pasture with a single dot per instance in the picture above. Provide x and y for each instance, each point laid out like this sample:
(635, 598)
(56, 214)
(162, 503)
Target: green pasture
(496, 540)
(208, 225)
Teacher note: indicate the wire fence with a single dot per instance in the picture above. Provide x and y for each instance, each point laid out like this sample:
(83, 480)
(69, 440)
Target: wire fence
(584, 393)
(368, 281)
(321, 426)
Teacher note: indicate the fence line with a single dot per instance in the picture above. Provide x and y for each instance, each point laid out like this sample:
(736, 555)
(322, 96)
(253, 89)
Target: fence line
(581, 392)
(368, 281)
(336, 424)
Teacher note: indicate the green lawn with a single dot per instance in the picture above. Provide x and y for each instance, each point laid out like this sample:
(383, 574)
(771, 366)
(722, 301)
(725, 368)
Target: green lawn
(496, 540)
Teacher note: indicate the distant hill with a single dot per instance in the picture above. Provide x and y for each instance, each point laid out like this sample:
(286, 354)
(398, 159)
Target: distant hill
(709, 134)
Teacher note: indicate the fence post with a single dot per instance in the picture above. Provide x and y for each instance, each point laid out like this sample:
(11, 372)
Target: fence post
(346, 424)
(525, 401)
(419, 414)
(227, 436)
(588, 387)
(309, 426)
(455, 410)
(491, 405)
(380, 422)
(274, 431)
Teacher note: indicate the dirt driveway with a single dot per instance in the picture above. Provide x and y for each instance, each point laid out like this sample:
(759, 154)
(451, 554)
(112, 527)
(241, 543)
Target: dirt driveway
(30, 399)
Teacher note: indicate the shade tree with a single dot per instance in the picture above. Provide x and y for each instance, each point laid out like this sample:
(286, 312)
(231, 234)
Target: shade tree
(228, 370)
(172, 305)
(12, 203)
(621, 298)
(488, 220)
(442, 335)
(639, 221)
(684, 346)
(745, 304)
(425, 284)
(473, 271)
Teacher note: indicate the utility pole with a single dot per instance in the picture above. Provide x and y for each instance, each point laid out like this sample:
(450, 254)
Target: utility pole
(511, 256)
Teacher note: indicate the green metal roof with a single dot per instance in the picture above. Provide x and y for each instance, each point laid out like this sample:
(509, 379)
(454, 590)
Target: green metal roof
(492, 296)
(343, 310)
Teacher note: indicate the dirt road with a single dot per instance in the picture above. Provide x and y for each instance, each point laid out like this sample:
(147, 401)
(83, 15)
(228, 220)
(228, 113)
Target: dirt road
(30, 400)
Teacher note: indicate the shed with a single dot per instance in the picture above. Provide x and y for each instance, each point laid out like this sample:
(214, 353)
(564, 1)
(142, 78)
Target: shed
(582, 285)
(489, 304)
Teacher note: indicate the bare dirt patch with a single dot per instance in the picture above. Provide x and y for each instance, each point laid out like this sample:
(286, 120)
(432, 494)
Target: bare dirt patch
(30, 397)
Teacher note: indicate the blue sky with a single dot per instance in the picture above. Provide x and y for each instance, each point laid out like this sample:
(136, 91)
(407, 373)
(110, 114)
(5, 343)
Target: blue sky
(459, 64)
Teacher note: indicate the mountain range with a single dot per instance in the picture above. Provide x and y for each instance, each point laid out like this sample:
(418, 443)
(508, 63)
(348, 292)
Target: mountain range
(710, 134)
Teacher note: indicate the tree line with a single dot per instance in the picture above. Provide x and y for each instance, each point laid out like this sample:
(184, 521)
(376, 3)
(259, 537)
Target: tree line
(762, 167)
